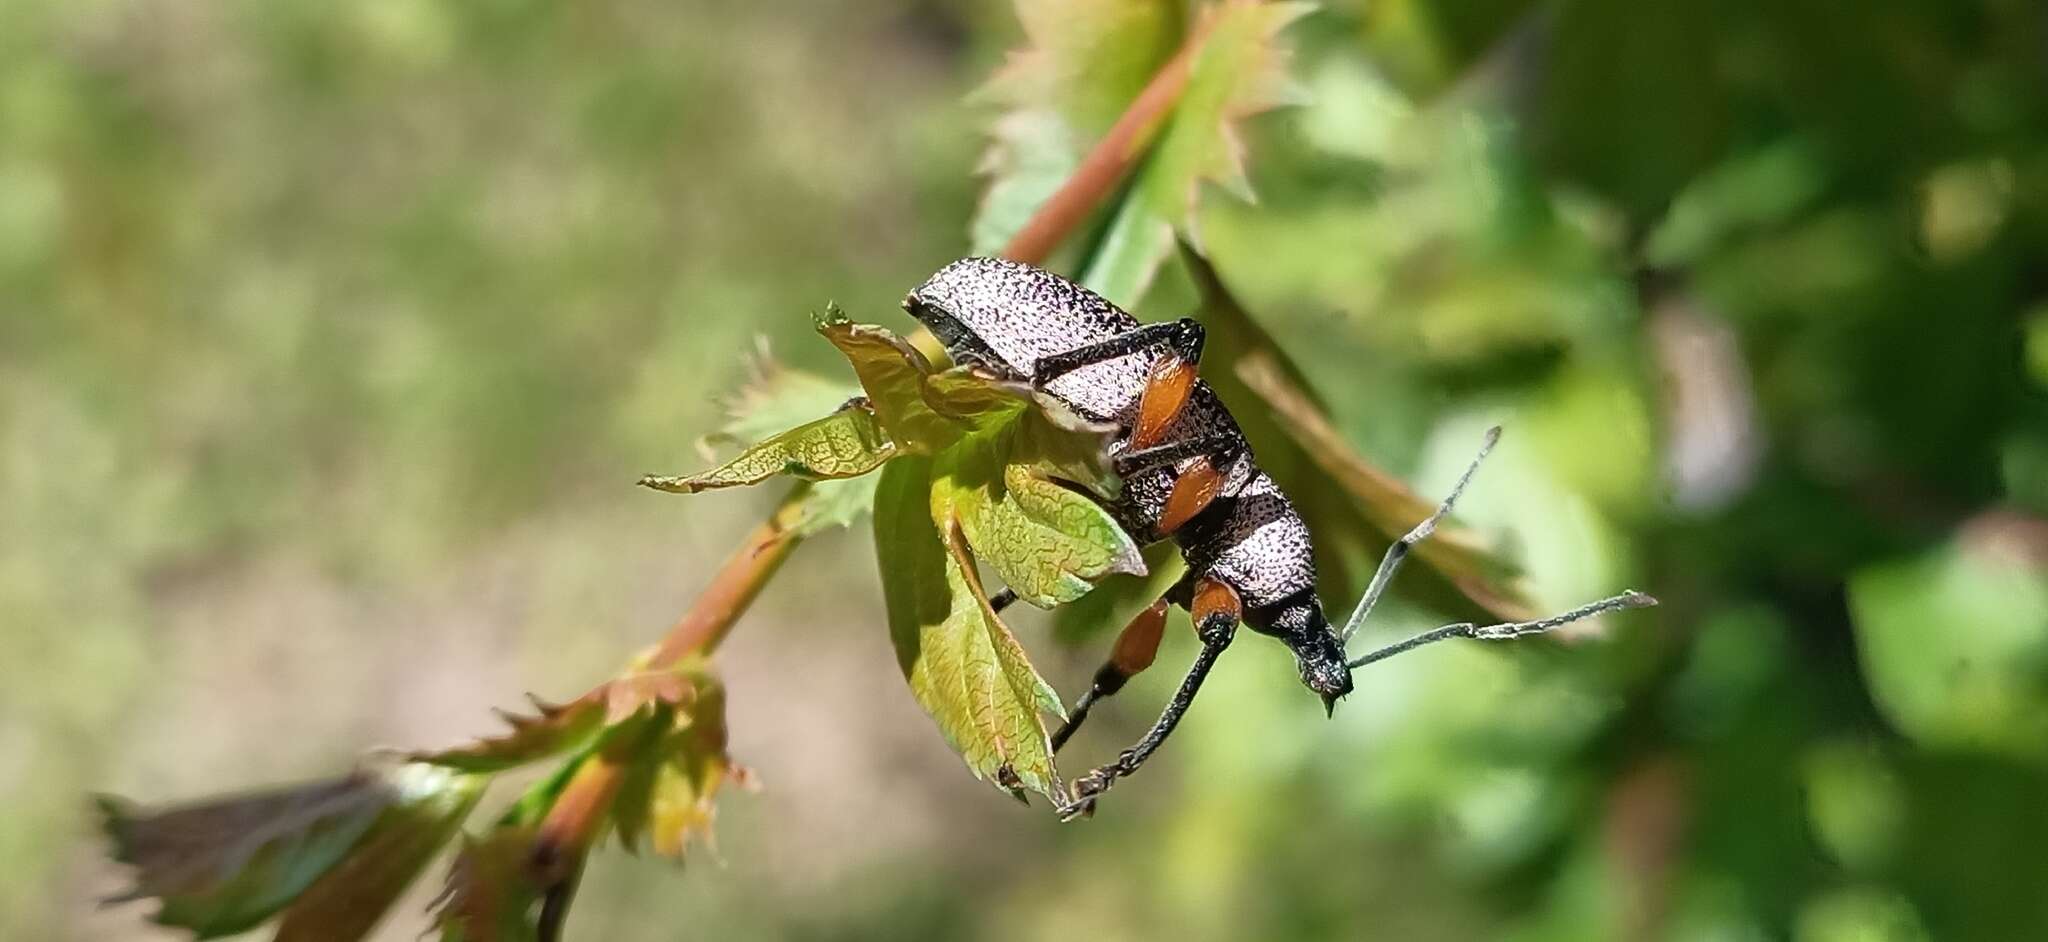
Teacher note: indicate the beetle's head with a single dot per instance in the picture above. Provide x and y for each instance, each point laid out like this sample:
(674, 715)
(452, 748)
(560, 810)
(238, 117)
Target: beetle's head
(1299, 623)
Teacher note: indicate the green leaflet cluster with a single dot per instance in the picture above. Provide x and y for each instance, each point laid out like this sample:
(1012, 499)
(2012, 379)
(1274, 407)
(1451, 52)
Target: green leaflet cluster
(975, 469)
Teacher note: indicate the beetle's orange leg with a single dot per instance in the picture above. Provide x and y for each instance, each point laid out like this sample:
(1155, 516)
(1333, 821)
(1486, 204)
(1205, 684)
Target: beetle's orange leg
(1166, 393)
(1192, 492)
(1217, 612)
(1135, 648)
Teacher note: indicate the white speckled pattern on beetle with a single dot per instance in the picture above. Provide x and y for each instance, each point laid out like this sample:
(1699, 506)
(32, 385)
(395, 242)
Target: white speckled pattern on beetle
(1005, 316)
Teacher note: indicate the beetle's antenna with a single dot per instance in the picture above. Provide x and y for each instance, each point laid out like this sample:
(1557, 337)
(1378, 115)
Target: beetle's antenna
(1506, 630)
(1399, 551)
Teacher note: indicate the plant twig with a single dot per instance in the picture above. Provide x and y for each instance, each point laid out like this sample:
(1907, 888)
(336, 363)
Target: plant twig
(1106, 163)
(737, 583)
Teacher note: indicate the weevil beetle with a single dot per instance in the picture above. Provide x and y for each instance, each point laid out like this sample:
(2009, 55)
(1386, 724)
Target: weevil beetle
(1189, 476)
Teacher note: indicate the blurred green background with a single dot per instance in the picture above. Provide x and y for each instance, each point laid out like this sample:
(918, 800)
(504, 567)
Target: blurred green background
(332, 337)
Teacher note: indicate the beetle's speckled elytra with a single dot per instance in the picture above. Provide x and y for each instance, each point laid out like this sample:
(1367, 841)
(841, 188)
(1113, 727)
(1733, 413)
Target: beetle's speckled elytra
(1189, 476)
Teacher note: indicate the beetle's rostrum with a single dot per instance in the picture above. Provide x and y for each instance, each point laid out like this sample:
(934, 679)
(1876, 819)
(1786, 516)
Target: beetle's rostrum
(1189, 475)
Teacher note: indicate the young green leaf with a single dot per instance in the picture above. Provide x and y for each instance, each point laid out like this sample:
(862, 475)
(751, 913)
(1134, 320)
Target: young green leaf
(776, 397)
(1002, 471)
(894, 375)
(1048, 542)
(828, 504)
(223, 866)
(1087, 58)
(1241, 70)
(1030, 153)
(347, 901)
(963, 665)
(848, 443)
(999, 445)
(776, 412)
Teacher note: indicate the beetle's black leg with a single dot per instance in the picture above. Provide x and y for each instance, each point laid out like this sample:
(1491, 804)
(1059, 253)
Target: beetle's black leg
(1135, 648)
(1399, 551)
(1196, 485)
(1219, 448)
(1002, 599)
(1185, 336)
(1217, 611)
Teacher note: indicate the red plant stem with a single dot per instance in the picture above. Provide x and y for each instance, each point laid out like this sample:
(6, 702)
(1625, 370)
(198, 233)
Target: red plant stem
(576, 818)
(736, 585)
(1107, 162)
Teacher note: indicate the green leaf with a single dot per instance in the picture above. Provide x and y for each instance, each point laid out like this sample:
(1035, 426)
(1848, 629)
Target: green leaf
(848, 443)
(894, 375)
(1008, 475)
(1131, 250)
(348, 900)
(1241, 70)
(829, 504)
(775, 398)
(1120, 597)
(1044, 540)
(1030, 154)
(963, 665)
(224, 865)
(1000, 444)
(775, 411)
